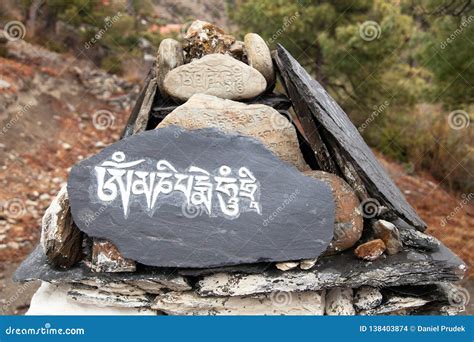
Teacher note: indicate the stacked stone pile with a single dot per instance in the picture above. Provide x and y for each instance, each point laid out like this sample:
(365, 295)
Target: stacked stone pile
(378, 261)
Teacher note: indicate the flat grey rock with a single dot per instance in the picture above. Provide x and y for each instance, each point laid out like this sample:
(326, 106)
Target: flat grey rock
(189, 303)
(91, 295)
(202, 198)
(408, 267)
(216, 74)
(36, 266)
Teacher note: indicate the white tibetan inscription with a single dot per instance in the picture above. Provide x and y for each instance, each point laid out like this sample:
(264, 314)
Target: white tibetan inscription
(220, 193)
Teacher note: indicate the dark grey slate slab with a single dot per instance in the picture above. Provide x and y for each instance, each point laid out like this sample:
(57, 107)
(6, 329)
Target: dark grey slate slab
(36, 266)
(409, 267)
(244, 206)
(317, 109)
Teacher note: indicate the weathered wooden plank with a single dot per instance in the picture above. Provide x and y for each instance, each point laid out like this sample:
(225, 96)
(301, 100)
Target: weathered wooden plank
(346, 139)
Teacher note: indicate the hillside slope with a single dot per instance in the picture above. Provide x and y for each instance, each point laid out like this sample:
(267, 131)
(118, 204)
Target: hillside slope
(52, 117)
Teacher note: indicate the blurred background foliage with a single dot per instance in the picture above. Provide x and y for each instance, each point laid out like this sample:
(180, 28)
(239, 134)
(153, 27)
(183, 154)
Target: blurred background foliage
(399, 85)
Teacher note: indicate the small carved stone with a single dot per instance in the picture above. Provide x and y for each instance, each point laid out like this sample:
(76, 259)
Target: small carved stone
(371, 250)
(170, 56)
(259, 56)
(216, 74)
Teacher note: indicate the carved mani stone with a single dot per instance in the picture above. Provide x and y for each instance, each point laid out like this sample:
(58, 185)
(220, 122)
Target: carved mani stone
(259, 121)
(349, 222)
(164, 199)
(215, 74)
(170, 56)
(60, 238)
(259, 56)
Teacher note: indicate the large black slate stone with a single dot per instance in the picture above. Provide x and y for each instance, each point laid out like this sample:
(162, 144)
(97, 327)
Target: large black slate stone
(323, 119)
(290, 216)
